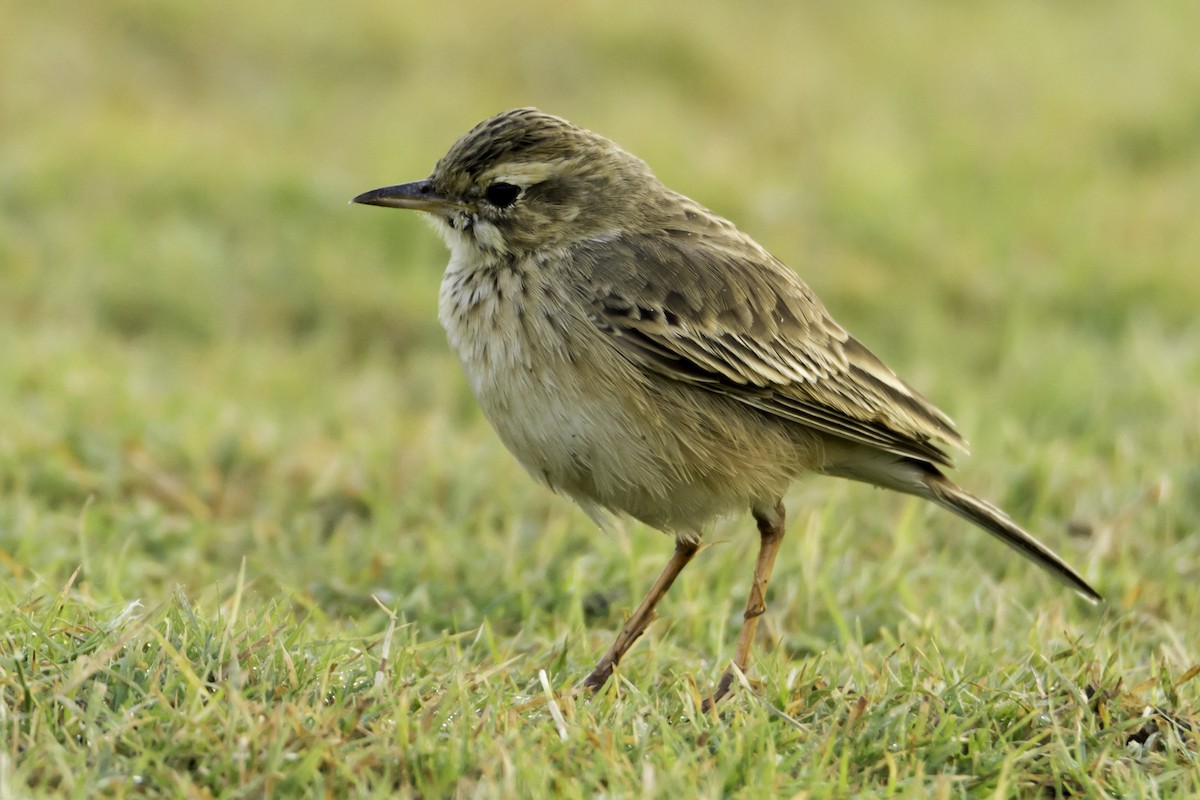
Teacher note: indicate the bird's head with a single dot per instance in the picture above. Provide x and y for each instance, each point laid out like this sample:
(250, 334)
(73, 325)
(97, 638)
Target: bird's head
(523, 181)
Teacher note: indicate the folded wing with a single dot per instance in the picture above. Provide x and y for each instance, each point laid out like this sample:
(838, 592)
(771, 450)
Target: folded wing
(735, 321)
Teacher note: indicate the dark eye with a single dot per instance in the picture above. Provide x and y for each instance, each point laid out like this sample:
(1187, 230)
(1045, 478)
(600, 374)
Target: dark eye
(502, 195)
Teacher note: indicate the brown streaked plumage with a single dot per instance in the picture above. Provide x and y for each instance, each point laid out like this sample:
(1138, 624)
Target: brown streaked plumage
(642, 355)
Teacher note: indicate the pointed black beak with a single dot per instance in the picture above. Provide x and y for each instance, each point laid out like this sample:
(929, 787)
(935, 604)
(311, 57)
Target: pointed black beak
(419, 195)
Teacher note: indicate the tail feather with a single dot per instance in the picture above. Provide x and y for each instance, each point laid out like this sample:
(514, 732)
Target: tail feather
(949, 495)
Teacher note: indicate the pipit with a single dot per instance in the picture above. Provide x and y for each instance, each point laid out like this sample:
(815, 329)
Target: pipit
(643, 356)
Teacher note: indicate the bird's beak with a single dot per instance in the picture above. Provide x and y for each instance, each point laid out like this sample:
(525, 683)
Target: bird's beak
(419, 195)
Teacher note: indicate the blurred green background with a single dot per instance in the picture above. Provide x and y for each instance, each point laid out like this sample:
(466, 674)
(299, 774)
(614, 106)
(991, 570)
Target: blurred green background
(207, 355)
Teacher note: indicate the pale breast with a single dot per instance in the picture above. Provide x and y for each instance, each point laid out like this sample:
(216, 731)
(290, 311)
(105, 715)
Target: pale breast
(585, 421)
(530, 372)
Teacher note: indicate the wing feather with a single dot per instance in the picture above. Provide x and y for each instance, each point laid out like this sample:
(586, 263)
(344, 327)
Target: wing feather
(720, 313)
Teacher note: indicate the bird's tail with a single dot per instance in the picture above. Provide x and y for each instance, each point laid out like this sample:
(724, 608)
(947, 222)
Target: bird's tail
(949, 495)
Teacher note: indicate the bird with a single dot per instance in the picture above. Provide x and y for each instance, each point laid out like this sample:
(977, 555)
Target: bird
(643, 356)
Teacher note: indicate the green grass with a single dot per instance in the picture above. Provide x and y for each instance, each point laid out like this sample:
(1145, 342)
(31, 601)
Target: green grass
(256, 539)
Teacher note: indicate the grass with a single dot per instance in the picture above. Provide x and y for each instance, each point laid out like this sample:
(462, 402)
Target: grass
(256, 539)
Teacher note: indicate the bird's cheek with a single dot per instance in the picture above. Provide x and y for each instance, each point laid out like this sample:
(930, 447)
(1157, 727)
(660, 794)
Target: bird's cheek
(488, 236)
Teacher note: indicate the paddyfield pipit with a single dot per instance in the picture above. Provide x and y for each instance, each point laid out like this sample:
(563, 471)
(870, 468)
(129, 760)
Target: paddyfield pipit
(643, 356)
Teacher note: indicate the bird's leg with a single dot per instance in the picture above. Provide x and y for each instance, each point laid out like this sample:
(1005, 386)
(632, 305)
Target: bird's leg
(771, 530)
(643, 615)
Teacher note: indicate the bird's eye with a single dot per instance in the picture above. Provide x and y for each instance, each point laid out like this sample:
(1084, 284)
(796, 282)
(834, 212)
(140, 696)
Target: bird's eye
(502, 195)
